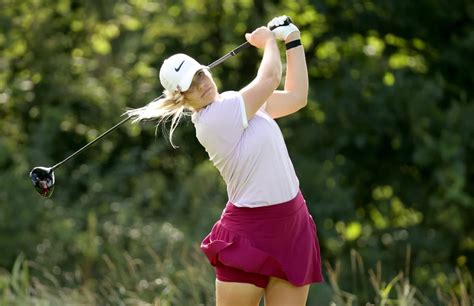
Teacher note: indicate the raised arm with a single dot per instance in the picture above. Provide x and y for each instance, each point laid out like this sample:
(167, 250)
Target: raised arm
(295, 94)
(269, 73)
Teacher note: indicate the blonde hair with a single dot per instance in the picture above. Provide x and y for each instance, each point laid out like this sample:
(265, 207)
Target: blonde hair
(170, 108)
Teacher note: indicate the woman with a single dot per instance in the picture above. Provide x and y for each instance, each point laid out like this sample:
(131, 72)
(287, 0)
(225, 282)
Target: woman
(265, 242)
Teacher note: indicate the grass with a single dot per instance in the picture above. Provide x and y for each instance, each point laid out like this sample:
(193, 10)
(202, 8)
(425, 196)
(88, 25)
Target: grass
(370, 288)
(177, 278)
(180, 276)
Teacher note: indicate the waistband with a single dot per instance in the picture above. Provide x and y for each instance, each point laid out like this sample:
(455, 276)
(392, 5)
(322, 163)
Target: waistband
(278, 210)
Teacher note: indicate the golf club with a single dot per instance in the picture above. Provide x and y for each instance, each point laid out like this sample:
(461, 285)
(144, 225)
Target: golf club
(43, 177)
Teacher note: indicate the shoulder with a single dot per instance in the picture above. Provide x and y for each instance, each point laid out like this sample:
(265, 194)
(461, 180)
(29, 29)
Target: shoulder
(225, 115)
(229, 103)
(231, 95)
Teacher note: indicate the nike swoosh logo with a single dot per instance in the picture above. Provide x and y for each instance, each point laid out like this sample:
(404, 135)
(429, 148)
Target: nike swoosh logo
(179, 67)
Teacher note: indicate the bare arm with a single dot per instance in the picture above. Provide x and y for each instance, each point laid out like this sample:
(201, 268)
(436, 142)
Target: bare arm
(295, 94)
(269, 73)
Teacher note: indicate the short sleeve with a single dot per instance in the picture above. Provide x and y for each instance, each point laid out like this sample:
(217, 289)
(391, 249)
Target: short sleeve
(220, 126)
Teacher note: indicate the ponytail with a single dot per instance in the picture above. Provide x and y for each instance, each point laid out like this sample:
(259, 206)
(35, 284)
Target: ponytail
(171, 107)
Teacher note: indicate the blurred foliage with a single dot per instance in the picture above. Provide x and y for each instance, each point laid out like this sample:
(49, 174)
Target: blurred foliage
(384, 150)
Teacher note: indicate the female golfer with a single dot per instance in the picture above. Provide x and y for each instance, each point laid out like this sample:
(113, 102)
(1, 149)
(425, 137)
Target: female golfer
(265, 242)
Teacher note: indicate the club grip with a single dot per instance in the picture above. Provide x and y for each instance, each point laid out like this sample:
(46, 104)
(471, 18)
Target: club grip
(243, 46)
(285, 23)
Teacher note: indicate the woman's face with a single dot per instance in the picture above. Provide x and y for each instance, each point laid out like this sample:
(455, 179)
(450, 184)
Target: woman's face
(202, 92)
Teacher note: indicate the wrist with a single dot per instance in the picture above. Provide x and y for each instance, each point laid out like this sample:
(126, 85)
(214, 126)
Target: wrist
(293, 36)
(270, 40)
(293, 44)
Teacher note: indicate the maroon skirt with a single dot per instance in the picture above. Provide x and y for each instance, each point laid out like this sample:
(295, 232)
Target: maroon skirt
(278, 240)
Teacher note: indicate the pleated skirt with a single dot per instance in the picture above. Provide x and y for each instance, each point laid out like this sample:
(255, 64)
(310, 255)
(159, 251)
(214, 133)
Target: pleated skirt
(278, 240)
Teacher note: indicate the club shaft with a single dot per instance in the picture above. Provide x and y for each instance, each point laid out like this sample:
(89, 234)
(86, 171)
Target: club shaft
(213, 64)
(91, 143)
(230, 54)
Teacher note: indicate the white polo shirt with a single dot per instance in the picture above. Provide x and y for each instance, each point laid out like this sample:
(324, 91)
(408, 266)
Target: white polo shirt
(250, 155)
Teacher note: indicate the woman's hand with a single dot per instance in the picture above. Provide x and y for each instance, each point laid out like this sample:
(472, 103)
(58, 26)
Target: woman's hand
(284, 28)
(260, 37)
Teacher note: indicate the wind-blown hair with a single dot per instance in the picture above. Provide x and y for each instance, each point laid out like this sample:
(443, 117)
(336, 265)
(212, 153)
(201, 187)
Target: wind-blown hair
(170, 108)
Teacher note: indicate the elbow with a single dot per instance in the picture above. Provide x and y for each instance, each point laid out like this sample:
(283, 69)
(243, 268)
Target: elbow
(296, 100)
(304, 100)
(304, 103)
(300, 100)
(297, 93)
(301, 97)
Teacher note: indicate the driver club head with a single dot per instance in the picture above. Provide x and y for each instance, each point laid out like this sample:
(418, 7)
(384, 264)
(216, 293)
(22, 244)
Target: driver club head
(43, 180)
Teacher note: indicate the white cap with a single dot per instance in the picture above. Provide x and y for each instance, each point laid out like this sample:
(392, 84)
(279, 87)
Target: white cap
(177, 72)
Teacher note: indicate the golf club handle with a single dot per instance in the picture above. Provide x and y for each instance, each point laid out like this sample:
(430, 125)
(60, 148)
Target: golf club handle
(91, 143)
(243, 46)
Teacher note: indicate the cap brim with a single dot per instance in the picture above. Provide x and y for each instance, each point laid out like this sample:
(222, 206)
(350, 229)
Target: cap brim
(187, 79)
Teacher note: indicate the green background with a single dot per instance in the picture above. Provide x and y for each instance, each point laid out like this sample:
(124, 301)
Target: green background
(384, 149)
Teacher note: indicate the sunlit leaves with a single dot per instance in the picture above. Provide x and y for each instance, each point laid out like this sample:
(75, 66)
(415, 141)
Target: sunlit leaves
(389, 210)
(353, 231)
(383, 149)
(143, 70)
(402, 216)
(405, 60)
(382, 192)
(63, 6)
(130, 23)
(77, 25)
(174, 11)
(17, 49)
(378, 219)
(100, 44)
(419, 44)
(328, 50)
(102, 36)
(374, 46)
(389, 79)
(315, 111)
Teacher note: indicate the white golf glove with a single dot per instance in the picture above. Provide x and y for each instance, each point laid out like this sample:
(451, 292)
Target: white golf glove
(282, 26)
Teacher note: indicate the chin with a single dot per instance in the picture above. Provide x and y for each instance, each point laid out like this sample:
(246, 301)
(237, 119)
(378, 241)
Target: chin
(209, 102)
